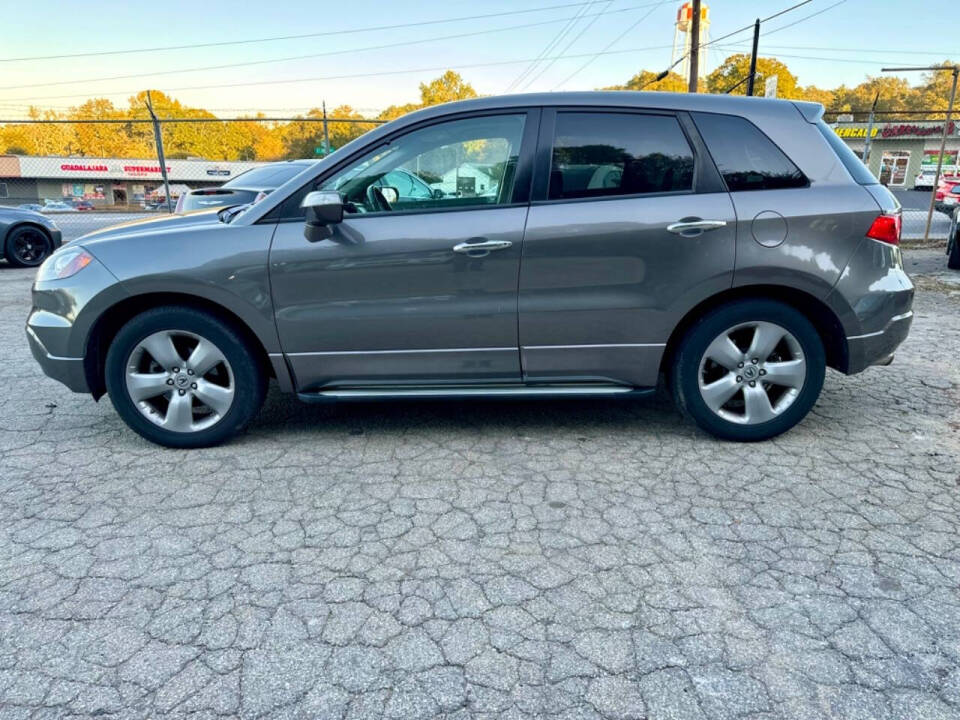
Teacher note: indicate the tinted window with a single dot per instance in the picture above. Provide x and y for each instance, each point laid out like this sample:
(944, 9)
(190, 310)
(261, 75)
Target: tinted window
(851, 162)
(747, 159)
(268, 176)
(603, 154)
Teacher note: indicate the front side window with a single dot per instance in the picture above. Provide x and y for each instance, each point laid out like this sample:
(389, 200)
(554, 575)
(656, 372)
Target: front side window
(747, 159)
(608, 154)
(457, 164)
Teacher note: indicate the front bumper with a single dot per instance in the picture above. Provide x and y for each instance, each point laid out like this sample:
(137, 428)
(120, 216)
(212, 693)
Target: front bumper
(66, 370)
(877, 348)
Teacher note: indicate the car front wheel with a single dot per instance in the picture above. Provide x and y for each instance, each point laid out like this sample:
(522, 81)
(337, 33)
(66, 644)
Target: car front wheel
(749, 370)
(27, 246)
(183, 378)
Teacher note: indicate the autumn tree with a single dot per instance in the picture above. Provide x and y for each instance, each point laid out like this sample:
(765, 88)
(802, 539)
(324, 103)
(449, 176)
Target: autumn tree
(646, 80)
(736, 68)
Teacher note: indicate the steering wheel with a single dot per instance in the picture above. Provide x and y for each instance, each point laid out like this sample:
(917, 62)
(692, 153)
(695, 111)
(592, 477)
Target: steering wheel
(376, 199)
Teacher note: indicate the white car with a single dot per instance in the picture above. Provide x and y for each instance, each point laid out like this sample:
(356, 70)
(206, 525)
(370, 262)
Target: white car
(925, 180)
(57, 207)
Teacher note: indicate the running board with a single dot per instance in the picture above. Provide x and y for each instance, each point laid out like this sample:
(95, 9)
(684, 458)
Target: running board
(466, 391)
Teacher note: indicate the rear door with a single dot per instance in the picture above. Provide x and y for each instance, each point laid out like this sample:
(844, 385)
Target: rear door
(629, 228)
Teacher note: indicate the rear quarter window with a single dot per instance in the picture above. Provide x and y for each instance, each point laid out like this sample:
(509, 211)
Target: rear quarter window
(746, 158)
(851, 162)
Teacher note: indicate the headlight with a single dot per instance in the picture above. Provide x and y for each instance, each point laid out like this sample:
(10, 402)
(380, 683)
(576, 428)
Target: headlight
(64, 263)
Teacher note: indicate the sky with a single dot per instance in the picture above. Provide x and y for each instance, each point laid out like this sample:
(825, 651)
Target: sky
(605, 42)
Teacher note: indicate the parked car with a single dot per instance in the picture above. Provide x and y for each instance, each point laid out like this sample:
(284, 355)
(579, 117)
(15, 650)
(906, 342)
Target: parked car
(250, 186)
(740, 249)
(953, 241)
(27, 238)
(84, 205)
(33, 207)
(945, 186)
(57, 206)
(925, 180)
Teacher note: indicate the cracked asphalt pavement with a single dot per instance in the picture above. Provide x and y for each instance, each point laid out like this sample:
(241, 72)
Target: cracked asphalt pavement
(575, 559)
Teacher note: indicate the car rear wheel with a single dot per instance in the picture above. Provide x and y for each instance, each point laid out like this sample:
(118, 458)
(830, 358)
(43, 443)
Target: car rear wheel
(183, 378)
(27, 246)
(749, 370)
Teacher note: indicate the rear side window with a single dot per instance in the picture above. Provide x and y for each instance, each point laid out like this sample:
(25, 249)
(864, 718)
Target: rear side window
(851, 162)
(747, 159)
(608, 154)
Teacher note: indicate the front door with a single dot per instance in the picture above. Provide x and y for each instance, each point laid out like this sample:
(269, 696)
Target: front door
(630, 226)
(418, 284)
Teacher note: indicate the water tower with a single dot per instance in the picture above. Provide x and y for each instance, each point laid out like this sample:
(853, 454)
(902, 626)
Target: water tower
(681, 38)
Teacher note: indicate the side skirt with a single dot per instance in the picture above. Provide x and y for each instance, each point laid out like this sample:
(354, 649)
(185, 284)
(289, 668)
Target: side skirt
(439, 392)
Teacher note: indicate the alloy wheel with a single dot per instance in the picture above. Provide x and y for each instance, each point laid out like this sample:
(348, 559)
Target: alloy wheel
(180, 381)
(752, 372)
(29, 246)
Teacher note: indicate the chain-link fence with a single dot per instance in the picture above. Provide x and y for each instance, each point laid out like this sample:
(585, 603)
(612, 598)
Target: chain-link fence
(90, 174)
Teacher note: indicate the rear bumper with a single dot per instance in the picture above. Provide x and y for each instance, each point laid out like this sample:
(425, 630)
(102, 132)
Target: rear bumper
(66, 370)
(877, 348)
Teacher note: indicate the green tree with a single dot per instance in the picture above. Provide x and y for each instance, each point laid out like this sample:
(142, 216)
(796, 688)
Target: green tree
(646, 80)
(737, 67)
(446, 88)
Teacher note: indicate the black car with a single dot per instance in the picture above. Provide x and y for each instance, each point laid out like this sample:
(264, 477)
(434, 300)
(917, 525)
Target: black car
(246, 187)
(26, 237)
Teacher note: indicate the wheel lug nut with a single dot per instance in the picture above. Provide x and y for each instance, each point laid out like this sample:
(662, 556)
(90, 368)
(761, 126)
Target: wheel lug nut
(193, 386)
(753, 384)
(176, 369)
(169, 381)
(763, 372)
(739, 365)
(189, 372)
(182, 392)
(739, 378)
(754, 361)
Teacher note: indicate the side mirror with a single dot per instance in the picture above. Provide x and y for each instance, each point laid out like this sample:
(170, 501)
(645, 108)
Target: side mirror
(323, 209)
(390, 194)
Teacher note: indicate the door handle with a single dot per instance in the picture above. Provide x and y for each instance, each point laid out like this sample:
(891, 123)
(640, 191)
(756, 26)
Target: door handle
(481, 249)
(692, 228)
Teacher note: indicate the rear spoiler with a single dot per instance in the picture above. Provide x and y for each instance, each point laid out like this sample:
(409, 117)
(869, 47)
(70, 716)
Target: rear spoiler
(812, 112)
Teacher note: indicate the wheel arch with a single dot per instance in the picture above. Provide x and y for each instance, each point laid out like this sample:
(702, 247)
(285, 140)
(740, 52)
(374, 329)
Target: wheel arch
(114, 317)
(823, 318)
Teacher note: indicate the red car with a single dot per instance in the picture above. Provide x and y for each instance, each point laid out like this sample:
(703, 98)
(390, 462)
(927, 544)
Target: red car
(84, 205)
(947, 186)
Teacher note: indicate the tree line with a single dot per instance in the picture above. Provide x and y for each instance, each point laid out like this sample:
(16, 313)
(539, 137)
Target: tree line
(257, 138)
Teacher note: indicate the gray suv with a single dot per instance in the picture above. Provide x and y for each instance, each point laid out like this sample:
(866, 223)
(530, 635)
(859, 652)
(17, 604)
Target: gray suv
(581, 244)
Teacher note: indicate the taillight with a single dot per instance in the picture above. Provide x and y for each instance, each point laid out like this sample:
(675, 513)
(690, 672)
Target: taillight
(886, 228)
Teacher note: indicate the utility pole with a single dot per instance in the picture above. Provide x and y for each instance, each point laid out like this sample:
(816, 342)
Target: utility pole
(955, 71)
(326, 135)
(753, 57)
(158, 139)
(694, 47)
(866, 142)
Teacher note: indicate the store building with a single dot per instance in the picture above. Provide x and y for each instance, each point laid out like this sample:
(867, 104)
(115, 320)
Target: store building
(105, 182)
(899, 151)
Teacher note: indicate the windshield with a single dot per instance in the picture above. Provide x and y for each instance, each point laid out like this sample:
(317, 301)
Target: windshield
(268, 176)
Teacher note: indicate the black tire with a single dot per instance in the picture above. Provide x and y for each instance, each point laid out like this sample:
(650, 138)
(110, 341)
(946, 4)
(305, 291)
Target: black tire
(684, 378)
(249, 377)
(953, 244)
(27, 246)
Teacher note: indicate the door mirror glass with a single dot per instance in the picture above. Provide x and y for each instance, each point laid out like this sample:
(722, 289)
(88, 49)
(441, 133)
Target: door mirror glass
(390, 194)
(323, 208)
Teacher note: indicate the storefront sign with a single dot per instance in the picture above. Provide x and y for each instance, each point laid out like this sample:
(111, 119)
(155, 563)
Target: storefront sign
(930, 158)
(121, 169)
(855, 132)
(894, 130)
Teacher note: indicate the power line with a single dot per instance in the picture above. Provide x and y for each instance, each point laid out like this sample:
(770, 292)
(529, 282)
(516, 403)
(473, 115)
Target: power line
(348, 76)
(607, 47)
(562, 52)
(275, 38)
(546, 49)
(327, 53)
(803, 19)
